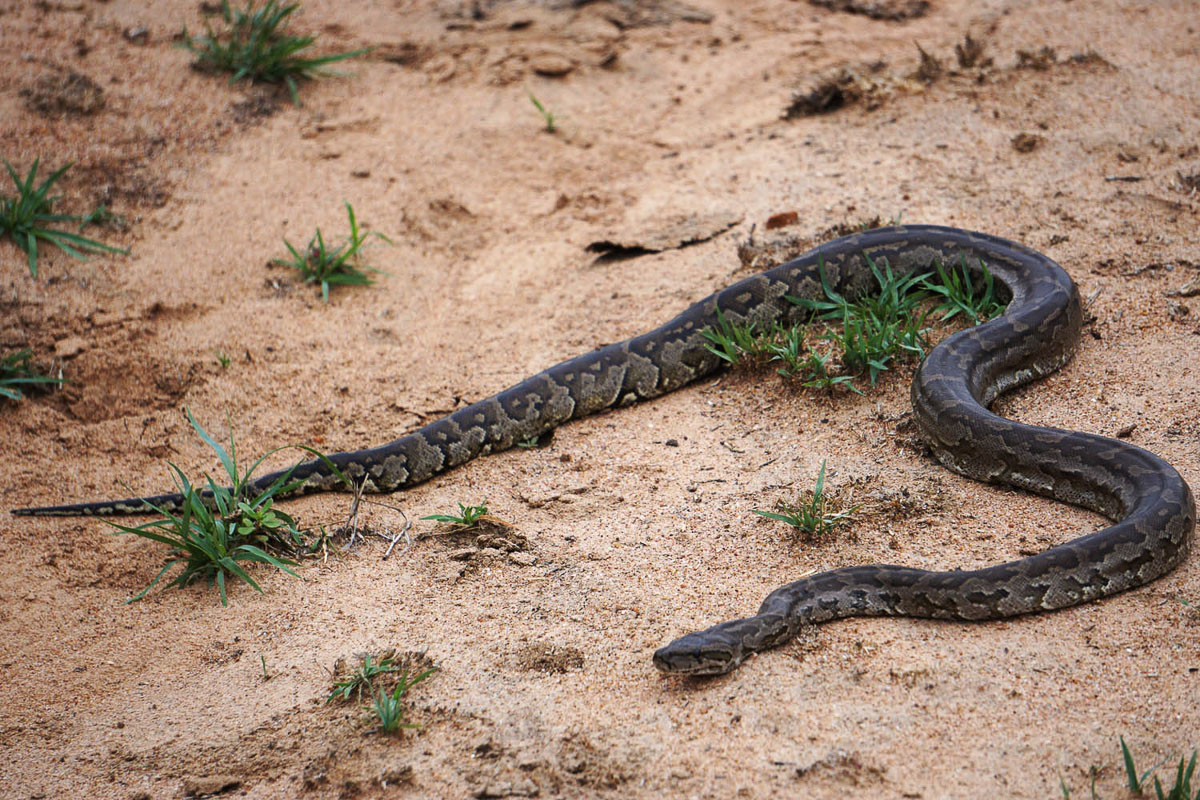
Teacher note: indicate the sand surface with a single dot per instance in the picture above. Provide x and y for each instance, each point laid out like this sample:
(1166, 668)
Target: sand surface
(634, 526)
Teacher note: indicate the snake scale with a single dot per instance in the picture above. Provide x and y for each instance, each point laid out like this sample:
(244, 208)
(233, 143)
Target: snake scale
(1151, 507)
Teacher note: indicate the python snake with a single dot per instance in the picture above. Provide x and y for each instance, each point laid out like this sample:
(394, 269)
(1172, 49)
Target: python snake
(1152, 508)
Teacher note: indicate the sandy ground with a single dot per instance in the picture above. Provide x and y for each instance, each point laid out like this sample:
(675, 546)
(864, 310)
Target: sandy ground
(666, 112)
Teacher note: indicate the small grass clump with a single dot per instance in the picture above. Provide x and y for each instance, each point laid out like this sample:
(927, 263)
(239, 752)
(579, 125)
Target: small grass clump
(219, 529)
(745, 345)
(256, 46)
(341, 265)
(736, 344)
(363, 677)
(961, 294)
(877, 326)
(1182, 787)
(1180, 790)
(467, 517)
(813, 370)
(388, 707)
(16, 370)
(868, 333)
(372, 677)
(816, 515)
(28, 215)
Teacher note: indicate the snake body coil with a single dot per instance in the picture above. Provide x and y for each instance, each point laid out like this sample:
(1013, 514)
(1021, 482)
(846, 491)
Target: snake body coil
(1151, 506)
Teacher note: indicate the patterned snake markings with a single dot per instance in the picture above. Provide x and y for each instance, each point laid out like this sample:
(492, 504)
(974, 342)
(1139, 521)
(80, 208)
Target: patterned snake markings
(1151, 507)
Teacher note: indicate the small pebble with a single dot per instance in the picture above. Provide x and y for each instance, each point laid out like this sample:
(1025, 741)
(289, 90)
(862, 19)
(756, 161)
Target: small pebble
(1027, 142)
(551, 65)
(69, 347)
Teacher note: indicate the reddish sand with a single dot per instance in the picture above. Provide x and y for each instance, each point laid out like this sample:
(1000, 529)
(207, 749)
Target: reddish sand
(545, 685)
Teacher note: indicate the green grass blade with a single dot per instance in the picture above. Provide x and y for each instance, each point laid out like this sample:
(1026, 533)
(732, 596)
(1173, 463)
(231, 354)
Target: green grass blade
(143, 592)
(261, 556)
(226, 460)
(31, 248)
(820, 482)
(65, 238)
(772, 515)
(324, 459)
(38, 196)
(12, 173)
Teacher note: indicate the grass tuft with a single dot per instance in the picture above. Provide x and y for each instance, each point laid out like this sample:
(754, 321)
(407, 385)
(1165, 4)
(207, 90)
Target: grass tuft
(1181, 789)
(16, 370)
(816, 516)
(363, 677)
(256, 46)
(961, 293)
(467, 517)
(814, 370)
(389, 706)
(745, 346)
(219, 529)
(371, 678)
(28, 215)
(337, 266)
(736, 344)
(868, 333)
(877, 326)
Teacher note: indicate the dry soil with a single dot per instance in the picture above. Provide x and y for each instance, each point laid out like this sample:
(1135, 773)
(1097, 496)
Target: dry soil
(680, 128)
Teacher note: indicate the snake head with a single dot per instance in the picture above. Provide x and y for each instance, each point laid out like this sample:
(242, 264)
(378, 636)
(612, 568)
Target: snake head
(704, 653)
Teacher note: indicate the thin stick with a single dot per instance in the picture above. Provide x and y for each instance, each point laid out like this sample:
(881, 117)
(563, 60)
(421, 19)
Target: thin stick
(403, 531)
(352, 521)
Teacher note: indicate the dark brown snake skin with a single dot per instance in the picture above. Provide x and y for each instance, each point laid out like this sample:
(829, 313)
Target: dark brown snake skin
(1151, 506)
